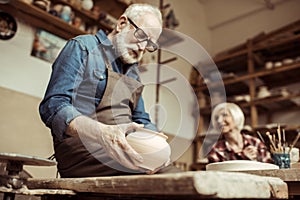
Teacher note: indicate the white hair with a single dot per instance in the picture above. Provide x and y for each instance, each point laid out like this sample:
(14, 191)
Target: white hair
(235, 111)
(140, 9)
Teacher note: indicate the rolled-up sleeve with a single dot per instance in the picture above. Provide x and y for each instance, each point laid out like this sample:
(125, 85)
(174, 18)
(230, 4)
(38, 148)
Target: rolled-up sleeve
(56, 109)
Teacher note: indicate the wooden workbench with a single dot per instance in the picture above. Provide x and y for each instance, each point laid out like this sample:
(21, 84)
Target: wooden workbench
(191, 185)
(290, 176)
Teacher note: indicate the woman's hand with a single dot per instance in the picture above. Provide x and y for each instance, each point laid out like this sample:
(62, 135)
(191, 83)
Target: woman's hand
(251, 152)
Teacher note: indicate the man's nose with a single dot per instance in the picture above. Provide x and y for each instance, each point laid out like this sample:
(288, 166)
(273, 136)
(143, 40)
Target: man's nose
(142, 45)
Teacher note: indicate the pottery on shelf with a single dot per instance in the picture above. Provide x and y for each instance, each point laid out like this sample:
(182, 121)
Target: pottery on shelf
(269, 65)
(278, 64)
(284, 92)
(87, 4)
(66, 14)
(152, 146)
(287, 61)
(263, 92)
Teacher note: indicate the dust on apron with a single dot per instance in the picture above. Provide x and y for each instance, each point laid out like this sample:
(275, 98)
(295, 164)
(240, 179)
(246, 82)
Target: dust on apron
(78, 158)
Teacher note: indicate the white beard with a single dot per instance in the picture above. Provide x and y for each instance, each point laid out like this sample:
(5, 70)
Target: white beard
(123, 48)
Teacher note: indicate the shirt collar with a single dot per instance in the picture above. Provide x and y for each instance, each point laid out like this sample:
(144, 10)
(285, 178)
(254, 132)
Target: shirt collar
(245, 141)
(102, 37)
(133, 68)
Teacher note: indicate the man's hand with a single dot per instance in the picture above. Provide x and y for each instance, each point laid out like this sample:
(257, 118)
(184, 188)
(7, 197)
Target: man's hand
(149, 172)
(110, 137)
(113, 140)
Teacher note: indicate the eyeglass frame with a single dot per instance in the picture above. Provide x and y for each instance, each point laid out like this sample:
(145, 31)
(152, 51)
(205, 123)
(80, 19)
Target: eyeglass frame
(154, 45)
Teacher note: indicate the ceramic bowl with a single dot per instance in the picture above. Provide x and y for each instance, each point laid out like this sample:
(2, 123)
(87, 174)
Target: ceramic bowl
(269, 65)
(287, 61)
(240, 165)
(152, 146)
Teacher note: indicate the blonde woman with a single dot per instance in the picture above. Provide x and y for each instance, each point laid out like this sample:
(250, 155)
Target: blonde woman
(228, 118)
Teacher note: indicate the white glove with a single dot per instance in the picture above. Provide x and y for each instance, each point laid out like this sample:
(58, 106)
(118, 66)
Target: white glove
(113, 140)
(110, 137)
(159, 168)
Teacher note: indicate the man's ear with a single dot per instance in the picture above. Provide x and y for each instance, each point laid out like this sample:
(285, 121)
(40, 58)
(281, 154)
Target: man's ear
(121, 23)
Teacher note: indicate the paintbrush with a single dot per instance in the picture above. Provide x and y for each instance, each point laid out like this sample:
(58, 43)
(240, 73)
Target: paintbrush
(279, 138)
(294, 142)
(283, 139)
(271, 141)
(260, 136)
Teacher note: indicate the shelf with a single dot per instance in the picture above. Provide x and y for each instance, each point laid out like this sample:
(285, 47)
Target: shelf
(268, 100)
(286, 34)
(88, 17)
(86, 14)
(249, 62)
(257, 74)
(114, 7)
(272, 104)
(243, 71)
(41, 19)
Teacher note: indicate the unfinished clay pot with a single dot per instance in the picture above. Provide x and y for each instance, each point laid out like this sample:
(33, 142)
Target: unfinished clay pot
(152, 146)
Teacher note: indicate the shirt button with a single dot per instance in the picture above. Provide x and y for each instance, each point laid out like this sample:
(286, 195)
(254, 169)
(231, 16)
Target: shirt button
(101, 77)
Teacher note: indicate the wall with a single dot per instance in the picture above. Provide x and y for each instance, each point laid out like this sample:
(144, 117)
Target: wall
(22, 131)
(19, 71)
(23, 81)
(232, 22)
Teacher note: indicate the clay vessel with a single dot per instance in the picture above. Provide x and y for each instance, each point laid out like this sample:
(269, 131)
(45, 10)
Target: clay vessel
(152, 146)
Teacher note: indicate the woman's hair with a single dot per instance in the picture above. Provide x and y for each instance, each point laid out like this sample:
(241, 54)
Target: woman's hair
(139, 10)
(235, 111)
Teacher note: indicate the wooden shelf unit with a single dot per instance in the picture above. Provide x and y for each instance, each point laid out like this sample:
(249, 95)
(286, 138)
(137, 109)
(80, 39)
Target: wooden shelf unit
(41, 19)
(247, 64)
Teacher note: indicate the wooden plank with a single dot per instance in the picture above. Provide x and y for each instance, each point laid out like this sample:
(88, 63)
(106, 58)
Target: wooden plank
(37, 192)
(270, 100)
(285, 30)
(287, 175)
(290, 176)
(41, 19)
(262, 41)
(200, 184)
(252, 75)
(239, 48)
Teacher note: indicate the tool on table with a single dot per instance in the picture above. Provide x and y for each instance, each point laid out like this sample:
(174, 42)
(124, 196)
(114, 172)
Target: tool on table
(14, 165)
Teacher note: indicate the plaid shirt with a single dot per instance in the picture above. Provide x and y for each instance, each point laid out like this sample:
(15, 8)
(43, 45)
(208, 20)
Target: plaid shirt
(221, 151)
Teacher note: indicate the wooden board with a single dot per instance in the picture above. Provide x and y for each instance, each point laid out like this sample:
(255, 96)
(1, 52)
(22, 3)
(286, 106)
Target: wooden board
(199, 184)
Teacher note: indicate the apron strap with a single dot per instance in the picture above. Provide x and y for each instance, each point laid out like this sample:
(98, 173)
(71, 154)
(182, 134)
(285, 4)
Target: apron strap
(106, 60)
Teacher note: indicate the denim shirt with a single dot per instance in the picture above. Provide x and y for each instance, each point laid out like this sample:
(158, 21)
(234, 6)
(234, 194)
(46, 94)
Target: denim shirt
(78, 81)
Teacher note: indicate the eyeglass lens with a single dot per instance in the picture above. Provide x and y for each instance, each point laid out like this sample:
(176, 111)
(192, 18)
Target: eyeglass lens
(141, 36)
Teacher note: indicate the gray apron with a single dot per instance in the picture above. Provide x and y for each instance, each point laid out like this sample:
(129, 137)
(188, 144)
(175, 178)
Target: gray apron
(119, 100)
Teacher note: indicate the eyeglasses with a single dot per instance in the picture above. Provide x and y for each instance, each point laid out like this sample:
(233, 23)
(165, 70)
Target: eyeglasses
(141, 36)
